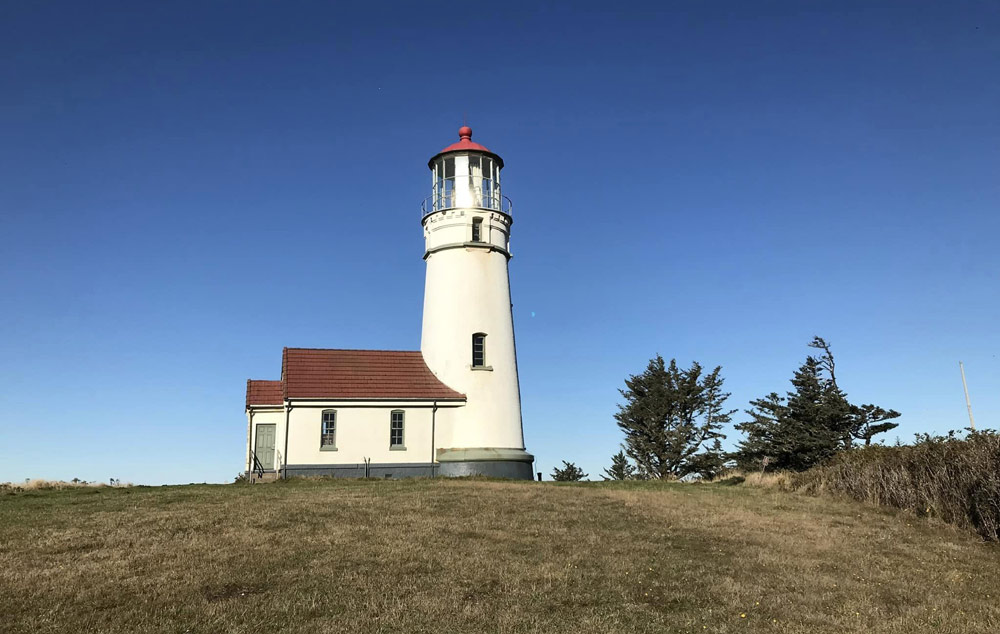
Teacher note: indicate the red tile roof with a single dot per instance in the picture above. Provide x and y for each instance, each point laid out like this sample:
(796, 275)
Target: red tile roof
(264, 393)
(315, 373)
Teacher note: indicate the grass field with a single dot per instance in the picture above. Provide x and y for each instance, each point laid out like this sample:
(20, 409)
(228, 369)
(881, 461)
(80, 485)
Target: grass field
(482, 556)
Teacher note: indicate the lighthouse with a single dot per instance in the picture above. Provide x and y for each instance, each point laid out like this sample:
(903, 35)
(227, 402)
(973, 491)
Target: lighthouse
(452, 408)
(467, 338)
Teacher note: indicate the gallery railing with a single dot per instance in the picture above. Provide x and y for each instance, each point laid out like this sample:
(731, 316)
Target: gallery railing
(482, 194)
(440, 203)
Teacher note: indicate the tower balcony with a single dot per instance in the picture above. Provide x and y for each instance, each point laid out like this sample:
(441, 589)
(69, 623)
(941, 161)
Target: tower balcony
(476, 196)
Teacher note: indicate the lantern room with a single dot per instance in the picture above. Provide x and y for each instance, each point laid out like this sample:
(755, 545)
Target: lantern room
(465, 175)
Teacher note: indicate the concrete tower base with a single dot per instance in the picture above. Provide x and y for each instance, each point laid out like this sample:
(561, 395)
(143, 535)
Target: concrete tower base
(497, 463)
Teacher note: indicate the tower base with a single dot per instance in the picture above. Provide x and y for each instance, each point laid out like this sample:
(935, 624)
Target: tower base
(496, 463)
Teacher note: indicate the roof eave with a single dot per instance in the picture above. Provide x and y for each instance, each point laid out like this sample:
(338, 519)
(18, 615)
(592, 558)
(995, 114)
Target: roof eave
(494, 155)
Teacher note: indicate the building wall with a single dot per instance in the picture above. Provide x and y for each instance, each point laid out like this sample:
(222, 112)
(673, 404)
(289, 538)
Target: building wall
(362, 432)
(466, 292)
(454, 227)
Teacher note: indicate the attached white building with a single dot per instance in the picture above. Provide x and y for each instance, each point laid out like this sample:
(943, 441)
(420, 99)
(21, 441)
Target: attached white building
(451, 408)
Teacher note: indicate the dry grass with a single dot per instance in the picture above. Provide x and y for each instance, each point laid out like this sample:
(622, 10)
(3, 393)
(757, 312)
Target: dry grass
(482, 556)
(780, 480)
(40, 484)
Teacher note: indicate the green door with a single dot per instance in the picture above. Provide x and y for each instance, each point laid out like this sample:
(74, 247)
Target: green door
(264, 447)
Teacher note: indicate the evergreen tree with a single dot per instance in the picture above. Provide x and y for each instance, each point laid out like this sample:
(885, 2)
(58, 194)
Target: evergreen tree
(672, 417)
(762, 433)
(836, 411)
(810, 424)
(568, 473)
(709, 463)
(620, 469)
(816, 420)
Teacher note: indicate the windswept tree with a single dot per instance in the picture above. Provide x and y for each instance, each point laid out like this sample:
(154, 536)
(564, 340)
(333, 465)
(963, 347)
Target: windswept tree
(620, 469)
(568, 473)
(810, 423)
(869, 420)
(864, 421)
(672, 419)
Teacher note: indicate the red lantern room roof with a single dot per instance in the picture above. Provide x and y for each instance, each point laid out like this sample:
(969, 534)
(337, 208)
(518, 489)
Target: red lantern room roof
(466, 144)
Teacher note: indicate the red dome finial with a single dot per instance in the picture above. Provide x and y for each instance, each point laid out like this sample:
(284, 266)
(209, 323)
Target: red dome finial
(465, 132)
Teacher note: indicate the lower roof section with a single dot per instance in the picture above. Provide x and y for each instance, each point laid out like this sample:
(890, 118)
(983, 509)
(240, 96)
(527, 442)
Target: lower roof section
(261, 393)
(316, 373)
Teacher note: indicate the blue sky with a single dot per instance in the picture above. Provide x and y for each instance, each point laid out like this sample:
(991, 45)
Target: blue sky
(187, 187)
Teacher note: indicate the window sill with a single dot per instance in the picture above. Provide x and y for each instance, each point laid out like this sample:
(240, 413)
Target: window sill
(481, 368)
(397, 448)
(327, 448)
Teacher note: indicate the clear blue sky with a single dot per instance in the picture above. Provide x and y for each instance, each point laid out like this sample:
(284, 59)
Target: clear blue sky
(187, 187)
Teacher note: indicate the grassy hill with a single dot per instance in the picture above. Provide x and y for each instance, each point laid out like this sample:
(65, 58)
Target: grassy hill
(482, 556)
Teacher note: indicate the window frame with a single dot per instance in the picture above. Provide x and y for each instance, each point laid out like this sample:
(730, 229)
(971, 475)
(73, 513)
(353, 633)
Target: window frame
(323, 433)
(482, 352)
(477, 229)
(401, 445)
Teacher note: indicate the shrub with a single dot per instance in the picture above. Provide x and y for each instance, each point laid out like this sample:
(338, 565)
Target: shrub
(568, 473)
(954, 479)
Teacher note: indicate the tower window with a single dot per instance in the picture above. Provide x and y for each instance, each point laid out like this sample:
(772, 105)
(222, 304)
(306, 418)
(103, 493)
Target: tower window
(328, 433)
(396, 429)
(478, 350)
(477, 229)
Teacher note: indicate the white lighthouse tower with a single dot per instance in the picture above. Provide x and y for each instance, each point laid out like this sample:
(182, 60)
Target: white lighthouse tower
(468, 330)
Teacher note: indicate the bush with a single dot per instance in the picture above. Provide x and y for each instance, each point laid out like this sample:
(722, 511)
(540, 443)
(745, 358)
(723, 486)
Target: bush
(954, 479)
(569, 473)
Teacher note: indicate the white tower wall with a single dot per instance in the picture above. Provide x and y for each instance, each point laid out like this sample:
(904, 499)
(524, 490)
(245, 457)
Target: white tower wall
(466, 292)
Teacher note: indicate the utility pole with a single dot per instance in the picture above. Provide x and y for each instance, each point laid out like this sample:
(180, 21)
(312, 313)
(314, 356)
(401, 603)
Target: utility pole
(968, 404)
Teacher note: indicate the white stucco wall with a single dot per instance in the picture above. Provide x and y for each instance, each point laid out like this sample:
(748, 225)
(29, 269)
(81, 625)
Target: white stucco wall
(363, 432)
(466, 291)
(454, 227)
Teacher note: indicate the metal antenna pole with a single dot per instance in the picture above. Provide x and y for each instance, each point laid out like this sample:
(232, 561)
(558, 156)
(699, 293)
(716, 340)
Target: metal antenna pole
(968, 403)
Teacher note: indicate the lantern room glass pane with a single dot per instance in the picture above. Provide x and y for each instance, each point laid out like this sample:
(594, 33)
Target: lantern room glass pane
(476, 180)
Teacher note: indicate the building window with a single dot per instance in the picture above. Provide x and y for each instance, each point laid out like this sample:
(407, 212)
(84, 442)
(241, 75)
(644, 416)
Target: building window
(396, 429)
(478, 350)
(477, 229)
(328, 433)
